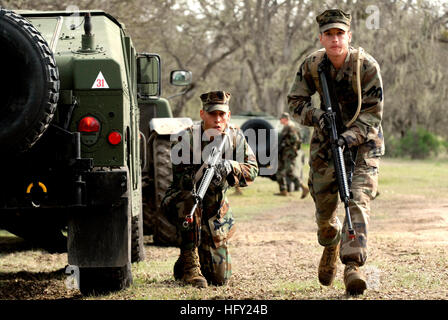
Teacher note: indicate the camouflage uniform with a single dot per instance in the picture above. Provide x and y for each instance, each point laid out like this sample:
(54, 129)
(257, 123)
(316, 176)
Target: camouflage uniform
(215, 220)
(364, 134)
(289, 144)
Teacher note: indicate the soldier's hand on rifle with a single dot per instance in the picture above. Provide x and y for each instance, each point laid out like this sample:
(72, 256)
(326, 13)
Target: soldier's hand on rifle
(325, 121)
(341, 142)
(222, 170)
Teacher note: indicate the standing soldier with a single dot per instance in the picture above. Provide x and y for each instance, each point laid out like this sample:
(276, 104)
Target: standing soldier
(356, 91)
(204, 256)
(289, 145)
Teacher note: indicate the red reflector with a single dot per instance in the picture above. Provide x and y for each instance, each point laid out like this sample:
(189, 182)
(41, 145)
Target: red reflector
(114, 138)
(89, 124)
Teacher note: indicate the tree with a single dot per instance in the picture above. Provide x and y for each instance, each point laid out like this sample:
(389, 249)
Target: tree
(253, 49)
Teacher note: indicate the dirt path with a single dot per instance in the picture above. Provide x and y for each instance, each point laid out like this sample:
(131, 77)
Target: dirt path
(407, 253)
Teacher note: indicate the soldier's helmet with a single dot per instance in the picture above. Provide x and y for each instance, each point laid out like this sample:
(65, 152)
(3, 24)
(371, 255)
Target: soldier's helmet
(215, 100)
(285, 115)
(334, 18)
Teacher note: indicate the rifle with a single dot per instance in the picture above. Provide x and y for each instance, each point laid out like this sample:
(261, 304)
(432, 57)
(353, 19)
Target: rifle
(212, 160)
(336, 150)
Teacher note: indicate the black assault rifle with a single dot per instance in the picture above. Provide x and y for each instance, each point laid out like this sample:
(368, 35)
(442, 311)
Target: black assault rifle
(214, 157)
(336, 150)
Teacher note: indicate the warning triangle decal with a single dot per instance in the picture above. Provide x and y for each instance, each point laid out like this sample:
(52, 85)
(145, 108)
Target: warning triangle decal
(100, 82)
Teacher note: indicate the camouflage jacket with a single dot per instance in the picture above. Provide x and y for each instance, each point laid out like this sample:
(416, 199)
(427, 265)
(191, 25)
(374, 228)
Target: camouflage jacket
(240, 155)
(289, 142)
(366, 131)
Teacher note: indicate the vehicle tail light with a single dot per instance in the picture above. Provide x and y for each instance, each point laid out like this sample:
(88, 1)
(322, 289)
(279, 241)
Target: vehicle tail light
(114, 138)
(89, 124)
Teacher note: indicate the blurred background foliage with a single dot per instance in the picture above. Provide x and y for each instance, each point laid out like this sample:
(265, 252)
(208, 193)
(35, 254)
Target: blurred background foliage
(253, 48)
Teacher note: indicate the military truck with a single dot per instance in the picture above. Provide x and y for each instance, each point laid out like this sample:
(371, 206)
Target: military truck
(73, 144)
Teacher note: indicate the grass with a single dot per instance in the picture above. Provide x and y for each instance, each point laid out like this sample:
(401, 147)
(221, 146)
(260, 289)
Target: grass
(411, 177)
(4, 233)
(256, 198)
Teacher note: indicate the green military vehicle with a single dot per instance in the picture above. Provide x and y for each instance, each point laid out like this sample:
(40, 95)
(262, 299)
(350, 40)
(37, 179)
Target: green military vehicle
(73, 142)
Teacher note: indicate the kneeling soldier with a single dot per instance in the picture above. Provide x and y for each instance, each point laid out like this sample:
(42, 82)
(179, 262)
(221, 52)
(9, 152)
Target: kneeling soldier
(204, 255)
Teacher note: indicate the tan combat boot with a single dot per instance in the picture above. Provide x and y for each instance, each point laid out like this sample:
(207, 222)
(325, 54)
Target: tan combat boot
(328, 265)
(283, 193)
(305, 190)
(354, 280)
(188, 269)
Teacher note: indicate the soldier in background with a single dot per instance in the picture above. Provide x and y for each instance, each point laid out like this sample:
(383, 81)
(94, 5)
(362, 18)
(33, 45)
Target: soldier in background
(289, 145)
(357, 98)
(204, 256)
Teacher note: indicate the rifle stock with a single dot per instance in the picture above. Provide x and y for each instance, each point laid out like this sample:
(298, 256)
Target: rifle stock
(336, 150)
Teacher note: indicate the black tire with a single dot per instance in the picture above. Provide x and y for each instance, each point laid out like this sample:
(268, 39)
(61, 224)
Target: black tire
(160, 172)
(261, 147)
(163, 231)
(138, 248)
(30, 83)
(96, 238)
(149, 211)
(95, 281)
(163, 171)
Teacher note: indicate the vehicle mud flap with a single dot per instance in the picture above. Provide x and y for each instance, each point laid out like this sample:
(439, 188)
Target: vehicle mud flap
(100, 236)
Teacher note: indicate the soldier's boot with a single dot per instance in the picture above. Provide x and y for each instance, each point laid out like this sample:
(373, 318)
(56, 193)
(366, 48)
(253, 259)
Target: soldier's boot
(178, 270)
(328, 265)
(188, 269)
(305, 190)
(354, 280)
(283, 193)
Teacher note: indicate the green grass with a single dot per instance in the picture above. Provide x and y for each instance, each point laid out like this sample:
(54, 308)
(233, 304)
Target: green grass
(256, 198)
(4, 233)
(426, 178)
(259, 196)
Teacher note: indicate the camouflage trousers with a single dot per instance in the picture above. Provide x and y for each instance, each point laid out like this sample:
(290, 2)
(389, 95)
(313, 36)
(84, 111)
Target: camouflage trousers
(285, 173)
(209, 232)
(324, 190)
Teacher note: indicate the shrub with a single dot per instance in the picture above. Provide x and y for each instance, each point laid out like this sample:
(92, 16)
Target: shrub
(419, 144)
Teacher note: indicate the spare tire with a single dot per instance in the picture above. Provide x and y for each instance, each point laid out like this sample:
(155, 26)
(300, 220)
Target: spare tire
(30, 83)
(263, 144)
